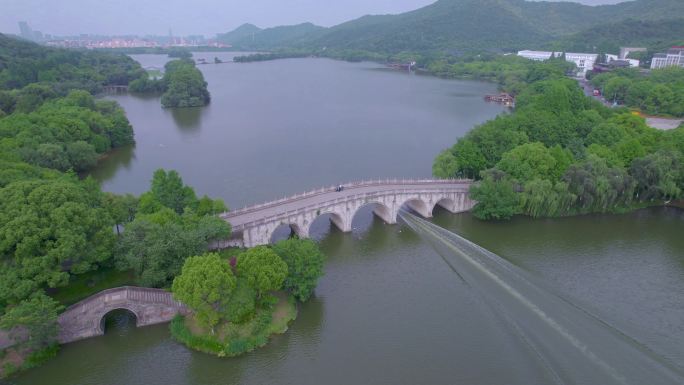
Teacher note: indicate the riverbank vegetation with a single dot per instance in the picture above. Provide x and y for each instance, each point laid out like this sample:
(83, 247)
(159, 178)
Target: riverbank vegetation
(562, 153)
(661, 92)
(57, 229)
(239, 303)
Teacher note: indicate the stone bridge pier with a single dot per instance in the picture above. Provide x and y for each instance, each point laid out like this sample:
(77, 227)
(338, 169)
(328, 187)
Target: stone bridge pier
(255, 225)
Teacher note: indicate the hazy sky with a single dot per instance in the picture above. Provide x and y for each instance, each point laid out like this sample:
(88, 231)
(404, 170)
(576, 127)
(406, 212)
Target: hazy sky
(208, 17)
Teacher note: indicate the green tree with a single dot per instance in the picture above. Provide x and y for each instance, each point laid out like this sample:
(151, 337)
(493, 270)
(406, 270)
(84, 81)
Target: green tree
(38, 315)
(496, 197)
(528, 161)
(445, 165)
(185, 85)
(156, 245)
(658, 176)
(304, 262)
(51, 228)
(168, 190)
(263, 268)
(205, 284)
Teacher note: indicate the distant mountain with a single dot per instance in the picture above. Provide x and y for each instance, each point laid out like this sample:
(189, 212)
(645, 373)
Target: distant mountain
(468, 25)
(276, 37)
(238, 34)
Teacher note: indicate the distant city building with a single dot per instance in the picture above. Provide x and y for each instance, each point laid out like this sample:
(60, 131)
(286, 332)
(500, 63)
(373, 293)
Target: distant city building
(673, 57)
(583, 61)
(25, 31)
(29, 34)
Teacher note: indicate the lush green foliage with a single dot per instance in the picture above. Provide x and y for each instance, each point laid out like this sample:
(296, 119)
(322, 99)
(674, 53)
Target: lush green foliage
(562, 153)
(65, 133)
(50, 229)
(656, 35)
(184, 85)
(171, 224)
(233, 339)
(23, 63)
(512, 73)
(38, 316)
(304, 261)
(205, 284)
(264, 270)
(661, 92)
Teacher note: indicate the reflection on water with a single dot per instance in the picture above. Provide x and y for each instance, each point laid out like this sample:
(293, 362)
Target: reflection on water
(188, 119)
(113, 161)
(574, 345)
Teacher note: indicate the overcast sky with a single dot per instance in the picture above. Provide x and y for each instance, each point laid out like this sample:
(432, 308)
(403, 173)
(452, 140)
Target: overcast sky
(208, 17)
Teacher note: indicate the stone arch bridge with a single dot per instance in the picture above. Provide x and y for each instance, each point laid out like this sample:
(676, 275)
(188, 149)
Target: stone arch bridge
(86, 318)
(253, 226)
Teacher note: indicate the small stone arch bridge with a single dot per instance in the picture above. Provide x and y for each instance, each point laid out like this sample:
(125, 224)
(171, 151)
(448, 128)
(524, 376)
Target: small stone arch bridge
(253, 226)
(86, 318)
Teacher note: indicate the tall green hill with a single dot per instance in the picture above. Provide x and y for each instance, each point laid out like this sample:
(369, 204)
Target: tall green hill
(467, 25)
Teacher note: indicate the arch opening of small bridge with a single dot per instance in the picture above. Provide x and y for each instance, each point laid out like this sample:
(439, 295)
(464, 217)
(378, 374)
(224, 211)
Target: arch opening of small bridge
(117, 318)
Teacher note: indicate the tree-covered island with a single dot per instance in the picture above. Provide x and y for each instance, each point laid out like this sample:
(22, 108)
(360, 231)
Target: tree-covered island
(240, 302)
(183, 85)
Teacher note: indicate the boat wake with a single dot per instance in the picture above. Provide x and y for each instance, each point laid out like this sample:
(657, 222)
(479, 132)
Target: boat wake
(574, 345)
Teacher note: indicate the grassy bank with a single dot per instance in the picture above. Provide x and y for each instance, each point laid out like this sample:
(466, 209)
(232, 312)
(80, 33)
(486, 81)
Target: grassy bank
(14, 360)
(230, 340)
(84, 285)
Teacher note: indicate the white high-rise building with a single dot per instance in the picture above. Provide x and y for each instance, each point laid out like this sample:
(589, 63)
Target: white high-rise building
(673, 57)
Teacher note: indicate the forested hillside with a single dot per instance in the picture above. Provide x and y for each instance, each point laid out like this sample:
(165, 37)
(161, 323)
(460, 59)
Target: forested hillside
(456, 25)
(655, 35)
(23, 63)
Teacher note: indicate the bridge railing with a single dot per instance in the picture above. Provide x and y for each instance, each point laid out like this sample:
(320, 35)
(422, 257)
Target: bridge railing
(127, 290)
(349, 185)
(324, 206)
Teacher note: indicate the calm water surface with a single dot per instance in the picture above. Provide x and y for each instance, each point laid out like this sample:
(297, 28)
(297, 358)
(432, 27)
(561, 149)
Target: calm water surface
(388, 310)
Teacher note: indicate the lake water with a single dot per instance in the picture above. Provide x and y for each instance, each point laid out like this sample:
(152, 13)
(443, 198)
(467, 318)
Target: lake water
(388, 310)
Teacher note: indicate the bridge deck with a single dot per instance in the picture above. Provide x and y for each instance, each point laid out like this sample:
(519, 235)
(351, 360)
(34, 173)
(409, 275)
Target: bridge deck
(250, 215)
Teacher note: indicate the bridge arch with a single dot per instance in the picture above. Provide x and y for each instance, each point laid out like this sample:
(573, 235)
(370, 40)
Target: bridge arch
(383, 210)
(418, 205)
(103, 318)
(446, 203)
(286, 230)
(335, 218)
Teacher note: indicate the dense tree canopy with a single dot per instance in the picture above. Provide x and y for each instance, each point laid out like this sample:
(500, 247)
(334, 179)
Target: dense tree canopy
(304, 262)
(65, 133)
(169, 226)
(205, 285)
(562, 153)
(661, 92)
(264, 270)
(23, 63)
(50, 229)
(38, 316)
(184, 85)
